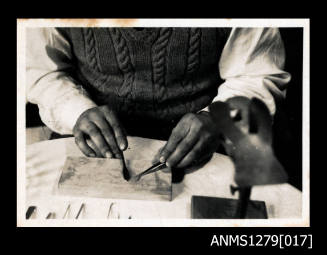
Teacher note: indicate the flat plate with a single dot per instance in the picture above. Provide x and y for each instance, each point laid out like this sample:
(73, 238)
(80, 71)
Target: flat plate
(224, 208)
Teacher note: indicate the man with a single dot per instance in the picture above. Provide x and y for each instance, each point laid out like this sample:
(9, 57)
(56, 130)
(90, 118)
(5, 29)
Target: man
(100, 84)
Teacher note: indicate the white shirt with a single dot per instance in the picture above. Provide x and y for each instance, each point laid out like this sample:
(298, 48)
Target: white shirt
(251, 65)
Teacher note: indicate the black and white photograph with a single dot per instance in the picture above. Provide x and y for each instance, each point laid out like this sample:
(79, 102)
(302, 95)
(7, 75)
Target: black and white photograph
(163, 122)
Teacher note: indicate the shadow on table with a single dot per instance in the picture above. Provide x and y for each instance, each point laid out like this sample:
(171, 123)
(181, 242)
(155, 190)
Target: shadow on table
(178, 175)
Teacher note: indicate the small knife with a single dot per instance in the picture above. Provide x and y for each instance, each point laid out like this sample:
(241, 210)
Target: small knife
(51, 215)
(30, 211)
(126, 174)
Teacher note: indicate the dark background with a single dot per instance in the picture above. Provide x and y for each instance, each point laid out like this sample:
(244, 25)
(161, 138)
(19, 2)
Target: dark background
(288, 124)
(289, 149)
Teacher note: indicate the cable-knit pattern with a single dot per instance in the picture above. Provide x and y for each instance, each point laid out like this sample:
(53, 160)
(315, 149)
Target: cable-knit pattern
(91, 49)
(159, 54)
(123, 56)
(117, 66)
(123, 60)
(91, 58)
(193, 60)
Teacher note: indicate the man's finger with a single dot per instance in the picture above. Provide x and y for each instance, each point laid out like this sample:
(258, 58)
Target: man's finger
(192, 156)
(84, 147)
(176, 136)
(92, 145)
(96, 136)
(157, 156)
(117, 129)
(107, 133)
(183, 148)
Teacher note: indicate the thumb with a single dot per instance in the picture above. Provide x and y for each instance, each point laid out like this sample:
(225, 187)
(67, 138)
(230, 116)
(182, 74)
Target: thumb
(156, 157)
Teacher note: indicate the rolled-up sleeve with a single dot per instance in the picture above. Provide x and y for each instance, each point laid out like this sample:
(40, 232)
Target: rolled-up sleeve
(61, 100)
(252, 65)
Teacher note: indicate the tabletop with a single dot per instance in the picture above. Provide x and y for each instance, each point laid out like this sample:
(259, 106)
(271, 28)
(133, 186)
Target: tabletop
(44, 162)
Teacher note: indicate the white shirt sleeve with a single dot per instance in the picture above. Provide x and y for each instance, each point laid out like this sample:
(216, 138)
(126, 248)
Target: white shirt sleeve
(252, 65)
(59, 98)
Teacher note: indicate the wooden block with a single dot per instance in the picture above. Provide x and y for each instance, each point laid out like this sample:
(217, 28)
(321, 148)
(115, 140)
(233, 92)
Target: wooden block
(203, 207)
(98, 177)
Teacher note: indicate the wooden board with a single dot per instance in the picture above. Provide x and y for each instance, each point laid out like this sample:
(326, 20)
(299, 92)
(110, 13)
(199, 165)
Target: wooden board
(97, 177)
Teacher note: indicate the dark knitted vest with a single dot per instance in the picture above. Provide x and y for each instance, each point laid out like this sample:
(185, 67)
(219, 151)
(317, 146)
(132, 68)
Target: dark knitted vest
(156, 74)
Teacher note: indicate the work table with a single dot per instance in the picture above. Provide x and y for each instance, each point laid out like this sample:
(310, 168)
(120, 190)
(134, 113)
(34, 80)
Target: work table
(44, 161)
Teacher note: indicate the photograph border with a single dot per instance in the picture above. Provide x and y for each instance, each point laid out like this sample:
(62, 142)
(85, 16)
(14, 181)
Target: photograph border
(23, 24)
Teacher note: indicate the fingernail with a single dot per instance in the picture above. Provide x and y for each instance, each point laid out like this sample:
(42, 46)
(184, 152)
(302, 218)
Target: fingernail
(162, 159)
(92, 155)
(122, 146)
(108, 154)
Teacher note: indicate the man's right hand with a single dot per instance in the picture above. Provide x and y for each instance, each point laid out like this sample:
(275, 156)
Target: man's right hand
(101, 126)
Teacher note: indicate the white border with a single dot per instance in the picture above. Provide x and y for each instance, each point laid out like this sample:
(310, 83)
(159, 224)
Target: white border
(22, 24)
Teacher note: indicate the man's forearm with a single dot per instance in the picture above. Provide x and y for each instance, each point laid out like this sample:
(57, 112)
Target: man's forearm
(252, 66)
(250, 87)
(60, 101)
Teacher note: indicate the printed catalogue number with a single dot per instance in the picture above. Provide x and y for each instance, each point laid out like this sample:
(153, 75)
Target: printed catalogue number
(281, 241)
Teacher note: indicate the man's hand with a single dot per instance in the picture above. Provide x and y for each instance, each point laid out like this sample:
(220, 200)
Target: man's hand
(102, 127)
(193, 139)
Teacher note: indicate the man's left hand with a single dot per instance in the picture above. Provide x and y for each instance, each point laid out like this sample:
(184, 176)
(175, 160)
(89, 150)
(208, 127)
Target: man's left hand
(194, 138)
